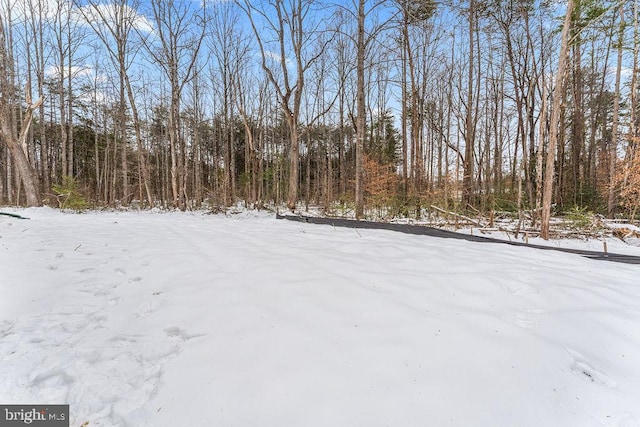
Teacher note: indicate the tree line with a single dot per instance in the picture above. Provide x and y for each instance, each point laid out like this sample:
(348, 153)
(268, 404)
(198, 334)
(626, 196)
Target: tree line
(376, 105)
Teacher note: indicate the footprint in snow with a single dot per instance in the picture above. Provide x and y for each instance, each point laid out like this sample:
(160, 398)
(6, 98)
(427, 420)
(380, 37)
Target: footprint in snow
(583, 368)
(519, 288)
(147, 308)
(525, 323)
(99, 289)
(624, 420)
(126, 339)
(70, 350)
(527, 319)
(6, 328)
(179, 334)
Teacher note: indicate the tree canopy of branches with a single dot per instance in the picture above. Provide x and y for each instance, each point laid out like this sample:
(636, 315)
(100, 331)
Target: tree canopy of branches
(470, 105)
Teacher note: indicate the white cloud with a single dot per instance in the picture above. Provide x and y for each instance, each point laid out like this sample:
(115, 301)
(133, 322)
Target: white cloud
(205, 3)
(22, 10)
(99, 97)
(625, 75)
(272, 55)
(626, 72)
(75, 71)
(278, 58)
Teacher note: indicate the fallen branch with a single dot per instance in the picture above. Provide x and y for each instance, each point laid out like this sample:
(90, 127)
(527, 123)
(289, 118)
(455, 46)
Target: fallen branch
(466, 218)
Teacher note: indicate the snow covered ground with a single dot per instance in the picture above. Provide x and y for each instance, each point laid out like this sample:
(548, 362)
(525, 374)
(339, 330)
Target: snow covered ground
(613, 244)
(187, 319)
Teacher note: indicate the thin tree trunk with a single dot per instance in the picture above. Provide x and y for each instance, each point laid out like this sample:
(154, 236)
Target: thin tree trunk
(540, 153)
(469, 134)
(361, 111)
(70, 150)
(613, 148)
(558, 94)
(142, 161)
(633, 127)
(404, 119)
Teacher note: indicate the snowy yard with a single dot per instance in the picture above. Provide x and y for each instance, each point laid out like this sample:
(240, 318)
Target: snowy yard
(186, 319)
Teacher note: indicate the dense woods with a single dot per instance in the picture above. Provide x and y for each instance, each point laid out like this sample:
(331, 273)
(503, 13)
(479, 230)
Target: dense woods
(385, 106)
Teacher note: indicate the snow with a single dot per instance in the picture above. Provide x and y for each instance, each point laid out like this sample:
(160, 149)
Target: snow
(623, 225)
(176, 319)
(599, 244)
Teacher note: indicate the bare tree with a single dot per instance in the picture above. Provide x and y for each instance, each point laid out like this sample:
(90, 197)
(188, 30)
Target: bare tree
(363, 39)
(634, 119)
(613, 148)
(35, 14)
(415, 57)
(289, 24)
(174, 46)
(16, 142)
(67, 38)
(361, 52)
(245, 83)
(114, 24)
(223, 43)
(558, 94)
(471, 117)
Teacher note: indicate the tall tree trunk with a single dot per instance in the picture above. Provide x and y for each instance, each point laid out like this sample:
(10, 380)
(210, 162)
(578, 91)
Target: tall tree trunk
(173, 145)
(635, 122)
(633, 144)
(70, 150)
(469, 130)
(141, 151)
(558, 94)
(404, 119)
(294, 164)
(542, 134)
(26, 172)
(63, 122)
(122, 118)
(613, 148)
(361, 111)
(577, 124)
